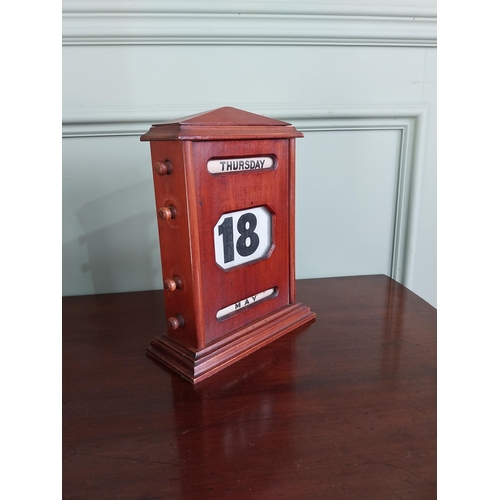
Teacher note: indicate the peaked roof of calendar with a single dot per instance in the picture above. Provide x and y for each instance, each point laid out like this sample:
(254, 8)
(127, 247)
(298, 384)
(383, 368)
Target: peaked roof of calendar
(222, 123)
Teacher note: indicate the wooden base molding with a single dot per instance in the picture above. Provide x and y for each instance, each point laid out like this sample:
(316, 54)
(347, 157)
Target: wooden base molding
(196, 366)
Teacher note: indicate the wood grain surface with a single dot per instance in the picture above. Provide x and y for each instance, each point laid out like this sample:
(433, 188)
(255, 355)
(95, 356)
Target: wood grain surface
(343, 408)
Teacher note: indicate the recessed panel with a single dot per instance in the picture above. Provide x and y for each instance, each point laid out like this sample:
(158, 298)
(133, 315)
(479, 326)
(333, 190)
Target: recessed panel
(347, 182)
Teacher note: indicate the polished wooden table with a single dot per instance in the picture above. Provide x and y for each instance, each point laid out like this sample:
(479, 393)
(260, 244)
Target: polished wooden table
(342, 408)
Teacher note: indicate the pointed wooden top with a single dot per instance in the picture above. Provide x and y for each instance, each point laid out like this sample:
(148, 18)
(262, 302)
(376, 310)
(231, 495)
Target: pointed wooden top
(219, 124)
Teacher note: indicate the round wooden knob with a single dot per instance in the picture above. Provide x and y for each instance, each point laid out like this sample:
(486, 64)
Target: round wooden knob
(175, 322)
(172, 284)
(163, 167)
(167, 213)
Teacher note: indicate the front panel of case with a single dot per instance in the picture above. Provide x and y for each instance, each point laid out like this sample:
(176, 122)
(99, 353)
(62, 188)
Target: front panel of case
(243, 214)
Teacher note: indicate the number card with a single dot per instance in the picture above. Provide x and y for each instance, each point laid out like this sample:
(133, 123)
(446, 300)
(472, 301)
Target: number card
(242, 236)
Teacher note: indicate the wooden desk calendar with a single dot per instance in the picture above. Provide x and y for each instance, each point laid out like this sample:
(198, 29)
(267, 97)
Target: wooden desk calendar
(224, 185)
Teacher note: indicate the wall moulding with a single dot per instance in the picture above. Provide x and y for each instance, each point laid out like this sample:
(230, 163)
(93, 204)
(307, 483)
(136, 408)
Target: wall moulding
(101, 121)
(411, 121)
(250, 23)
(408, 8)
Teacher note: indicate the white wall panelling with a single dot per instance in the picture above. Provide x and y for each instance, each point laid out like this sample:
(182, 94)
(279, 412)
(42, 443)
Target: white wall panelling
(357, 79)
(249, 22)
(407, 170)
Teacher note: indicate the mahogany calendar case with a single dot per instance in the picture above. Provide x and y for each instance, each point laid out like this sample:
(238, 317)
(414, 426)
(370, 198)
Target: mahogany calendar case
(224, 185)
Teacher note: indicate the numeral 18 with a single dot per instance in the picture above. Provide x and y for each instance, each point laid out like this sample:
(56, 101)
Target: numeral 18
(242, 236)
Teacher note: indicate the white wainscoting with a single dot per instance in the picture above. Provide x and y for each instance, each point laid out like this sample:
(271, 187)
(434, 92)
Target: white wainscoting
(269, 22)
(357, 79)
